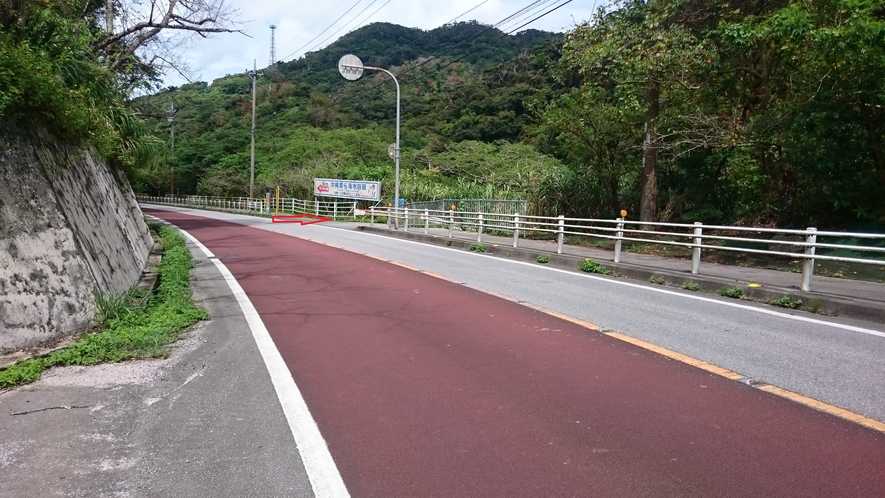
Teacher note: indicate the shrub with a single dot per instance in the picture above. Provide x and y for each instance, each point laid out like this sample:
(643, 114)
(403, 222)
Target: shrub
(735, 292)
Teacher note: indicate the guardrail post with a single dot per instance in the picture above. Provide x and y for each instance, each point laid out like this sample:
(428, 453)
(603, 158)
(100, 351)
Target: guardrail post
(372, 216)
(696, 248)
(354, 209)
(808, 267)
(334, 210)
(316, 207)
(406, 214)
(516, 230)
(389, 219)
(479, 228)
(451, 222)
(426, 222)
(561, 238)
(619, 239)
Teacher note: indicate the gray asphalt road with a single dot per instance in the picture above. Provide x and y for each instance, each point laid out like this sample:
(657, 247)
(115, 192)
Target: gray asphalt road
(204, 422)
(798, 351)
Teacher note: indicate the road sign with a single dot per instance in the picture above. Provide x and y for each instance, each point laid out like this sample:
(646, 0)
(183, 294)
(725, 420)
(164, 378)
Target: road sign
(351, 67)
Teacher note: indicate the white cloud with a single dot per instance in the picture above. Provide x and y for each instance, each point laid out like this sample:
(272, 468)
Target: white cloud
(298, 22)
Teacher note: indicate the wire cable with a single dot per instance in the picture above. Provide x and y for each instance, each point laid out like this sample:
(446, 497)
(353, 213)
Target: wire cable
(373, 2)
(323, 31)
(508, 33)
(427, 33)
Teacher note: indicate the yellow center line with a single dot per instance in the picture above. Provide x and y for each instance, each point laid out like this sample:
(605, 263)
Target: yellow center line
(824, 407)
(688, 360)
(703, 365)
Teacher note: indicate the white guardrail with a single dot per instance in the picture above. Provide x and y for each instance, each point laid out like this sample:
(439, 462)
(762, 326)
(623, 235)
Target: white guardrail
(695, 237)
(328, 209)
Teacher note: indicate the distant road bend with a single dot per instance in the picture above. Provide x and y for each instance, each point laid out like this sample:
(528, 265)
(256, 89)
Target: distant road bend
(423, 386)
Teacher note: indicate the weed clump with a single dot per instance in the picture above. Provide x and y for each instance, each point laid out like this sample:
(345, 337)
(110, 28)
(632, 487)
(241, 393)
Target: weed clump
(787, 302)
(134, 325)
(590, 266)
(736, 292)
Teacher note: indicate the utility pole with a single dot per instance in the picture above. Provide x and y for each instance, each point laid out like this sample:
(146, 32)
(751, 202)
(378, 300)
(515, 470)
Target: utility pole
(109, 17)
(171, 119)
(648, 184)
(254, 74)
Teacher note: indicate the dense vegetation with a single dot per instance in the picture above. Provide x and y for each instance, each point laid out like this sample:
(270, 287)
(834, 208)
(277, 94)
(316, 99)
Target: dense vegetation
(759, 112)
(51, 79)
(764, 112)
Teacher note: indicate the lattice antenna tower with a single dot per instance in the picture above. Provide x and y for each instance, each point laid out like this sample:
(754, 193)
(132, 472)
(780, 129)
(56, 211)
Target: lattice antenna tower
(273, 46)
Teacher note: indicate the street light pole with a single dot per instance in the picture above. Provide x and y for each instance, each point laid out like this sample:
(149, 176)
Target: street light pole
(351, 67)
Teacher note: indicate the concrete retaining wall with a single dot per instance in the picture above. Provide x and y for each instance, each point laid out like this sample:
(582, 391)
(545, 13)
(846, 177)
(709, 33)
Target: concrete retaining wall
(69, 229)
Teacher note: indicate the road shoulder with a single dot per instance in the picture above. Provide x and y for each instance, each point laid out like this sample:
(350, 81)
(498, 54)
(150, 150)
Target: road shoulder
(204, 422)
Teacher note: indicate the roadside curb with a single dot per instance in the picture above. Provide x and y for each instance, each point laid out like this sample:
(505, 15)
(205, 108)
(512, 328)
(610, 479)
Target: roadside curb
(824, 304)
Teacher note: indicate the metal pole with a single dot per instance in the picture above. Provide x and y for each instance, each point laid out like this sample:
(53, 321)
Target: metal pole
(451, 221)
(696, 248)
(808, 267)
(516, 230)
(619, 240)
(559, 239)
(396, 146)
(479, 228)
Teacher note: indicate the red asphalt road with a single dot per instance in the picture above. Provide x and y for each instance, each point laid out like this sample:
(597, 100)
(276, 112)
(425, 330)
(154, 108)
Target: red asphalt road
(425, 388)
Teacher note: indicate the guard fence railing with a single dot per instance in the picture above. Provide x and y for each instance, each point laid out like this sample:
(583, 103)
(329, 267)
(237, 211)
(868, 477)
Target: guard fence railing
(330, 209)
(694, 237)
(697, 237)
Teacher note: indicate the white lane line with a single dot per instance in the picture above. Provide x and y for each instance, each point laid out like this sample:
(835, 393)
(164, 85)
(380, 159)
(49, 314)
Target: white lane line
(321, 469)
(650, 289)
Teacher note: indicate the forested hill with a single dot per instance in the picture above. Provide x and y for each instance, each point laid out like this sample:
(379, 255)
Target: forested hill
(758, 113)
(464, 81)
(386, 45)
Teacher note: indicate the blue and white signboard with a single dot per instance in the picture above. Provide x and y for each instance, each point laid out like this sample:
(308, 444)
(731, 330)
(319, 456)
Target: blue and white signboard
(347, 189)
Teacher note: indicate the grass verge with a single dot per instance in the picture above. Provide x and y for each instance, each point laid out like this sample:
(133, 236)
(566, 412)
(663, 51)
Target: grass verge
(135, 325)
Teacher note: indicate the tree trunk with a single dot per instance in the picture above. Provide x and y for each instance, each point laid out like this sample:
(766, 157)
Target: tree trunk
(648, 203)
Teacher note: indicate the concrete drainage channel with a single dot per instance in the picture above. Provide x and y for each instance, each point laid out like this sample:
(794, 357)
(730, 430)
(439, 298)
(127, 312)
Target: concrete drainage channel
(812, 302)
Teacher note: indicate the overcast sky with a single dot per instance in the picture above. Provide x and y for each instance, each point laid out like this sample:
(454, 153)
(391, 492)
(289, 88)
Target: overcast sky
(304, 26)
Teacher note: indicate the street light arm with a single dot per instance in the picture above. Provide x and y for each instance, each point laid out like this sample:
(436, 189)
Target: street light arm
(396, 147)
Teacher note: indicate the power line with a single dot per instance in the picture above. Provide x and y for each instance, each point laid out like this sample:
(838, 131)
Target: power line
(323, 31)
(513, 16)
(345, 24)
(369, 17)
(427, 33)
(318, 20)
(510, 32)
